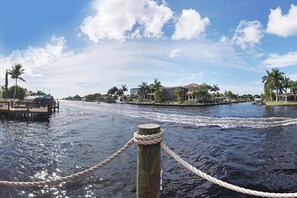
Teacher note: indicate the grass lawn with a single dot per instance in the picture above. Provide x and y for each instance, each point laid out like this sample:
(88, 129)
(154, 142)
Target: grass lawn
(282, 103)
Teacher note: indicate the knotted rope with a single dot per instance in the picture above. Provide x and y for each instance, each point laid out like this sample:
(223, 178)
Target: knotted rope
(148, 139)
(69, 177)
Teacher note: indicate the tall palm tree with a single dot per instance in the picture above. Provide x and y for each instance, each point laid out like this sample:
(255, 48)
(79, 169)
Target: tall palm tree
(15, 73)
(144, 89)
(277, 78)
(268, 83)
(6, 84)
(156, 89)
(286, 82)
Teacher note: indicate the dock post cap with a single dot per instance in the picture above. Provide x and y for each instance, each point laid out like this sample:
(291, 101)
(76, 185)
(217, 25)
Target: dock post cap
(148, 126)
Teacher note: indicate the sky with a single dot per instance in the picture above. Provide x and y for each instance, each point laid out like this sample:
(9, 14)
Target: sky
(81, 47)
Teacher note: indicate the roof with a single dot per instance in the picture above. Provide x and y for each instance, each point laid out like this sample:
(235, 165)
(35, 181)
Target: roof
(192, 85)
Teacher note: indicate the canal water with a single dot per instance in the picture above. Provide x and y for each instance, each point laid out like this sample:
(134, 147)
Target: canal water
(247, 145)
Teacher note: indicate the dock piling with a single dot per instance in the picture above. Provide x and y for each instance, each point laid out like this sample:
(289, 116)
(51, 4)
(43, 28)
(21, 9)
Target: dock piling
(148, 165)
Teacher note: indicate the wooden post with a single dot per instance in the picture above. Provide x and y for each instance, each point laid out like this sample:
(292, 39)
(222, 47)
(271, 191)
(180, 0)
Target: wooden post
(148, 165)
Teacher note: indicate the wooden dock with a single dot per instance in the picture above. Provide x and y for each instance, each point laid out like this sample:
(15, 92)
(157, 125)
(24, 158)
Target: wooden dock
(28, 110)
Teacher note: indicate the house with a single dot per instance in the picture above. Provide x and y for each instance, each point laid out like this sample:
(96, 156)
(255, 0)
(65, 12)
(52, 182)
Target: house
(135, 92)
(189, 94)
(168, 93)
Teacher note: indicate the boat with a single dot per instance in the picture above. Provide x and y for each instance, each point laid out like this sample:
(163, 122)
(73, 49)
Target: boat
(258, 101)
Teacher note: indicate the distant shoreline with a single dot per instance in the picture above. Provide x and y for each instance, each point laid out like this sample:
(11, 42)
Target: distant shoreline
(181, 105)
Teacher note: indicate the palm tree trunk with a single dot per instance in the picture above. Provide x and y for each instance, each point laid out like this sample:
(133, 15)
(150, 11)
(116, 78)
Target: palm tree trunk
(276, 97)
(16, 84)
(286, 97)
(270, 95)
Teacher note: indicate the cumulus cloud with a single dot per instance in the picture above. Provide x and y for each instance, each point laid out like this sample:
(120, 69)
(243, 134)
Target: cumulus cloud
(33, 57)
(282, 25)
(247, 34)
(174, 53)
(276, 60)
(189, 25)
(118, 19)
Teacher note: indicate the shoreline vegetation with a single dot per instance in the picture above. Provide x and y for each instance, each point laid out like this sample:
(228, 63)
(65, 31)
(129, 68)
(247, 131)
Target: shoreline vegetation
(279, 90)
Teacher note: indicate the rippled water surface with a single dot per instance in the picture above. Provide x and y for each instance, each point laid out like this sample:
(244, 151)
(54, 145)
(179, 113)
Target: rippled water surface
(250, 146)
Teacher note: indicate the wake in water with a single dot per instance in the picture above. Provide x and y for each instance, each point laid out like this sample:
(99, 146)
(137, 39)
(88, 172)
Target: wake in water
(224, 122)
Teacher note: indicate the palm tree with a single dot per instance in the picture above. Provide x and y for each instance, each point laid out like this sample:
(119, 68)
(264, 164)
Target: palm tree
(124, 88)
(6, 84)
(214, 88)
(203, 94)
(180, 94)
(268, 84)
(15, 73)
(277, 78)
(293, 87)
(144, 89)
(156, 89)
(286, 82)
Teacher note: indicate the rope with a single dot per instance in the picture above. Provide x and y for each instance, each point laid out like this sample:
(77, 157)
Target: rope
(69, 177)
(222, 183)
(148, 139)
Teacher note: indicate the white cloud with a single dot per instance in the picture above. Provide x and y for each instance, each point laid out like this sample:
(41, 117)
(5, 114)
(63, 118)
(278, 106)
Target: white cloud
(247, 34)
(276, 60)
(95, 68)
(174, 53)
(117, 19)
(189, 25)
(282, 25)
(224, 39)
(34, 57)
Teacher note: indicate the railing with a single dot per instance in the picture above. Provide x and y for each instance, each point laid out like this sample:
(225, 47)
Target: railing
(149, 138)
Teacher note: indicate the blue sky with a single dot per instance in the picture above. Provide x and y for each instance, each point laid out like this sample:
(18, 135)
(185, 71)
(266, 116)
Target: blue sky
(79, 47)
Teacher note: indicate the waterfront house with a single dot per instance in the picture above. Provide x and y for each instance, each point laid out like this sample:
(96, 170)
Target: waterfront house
(190, 89)
(135, 92)
(168, 93)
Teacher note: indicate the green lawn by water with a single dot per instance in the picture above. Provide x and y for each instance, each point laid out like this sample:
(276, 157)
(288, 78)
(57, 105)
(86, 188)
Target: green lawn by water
(281, 103)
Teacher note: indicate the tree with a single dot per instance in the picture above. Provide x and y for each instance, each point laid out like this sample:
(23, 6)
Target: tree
(144, 89)
(268, 84)
(273, 81)
(276, 78)
(214, 88)
(20, 94)
(203, 94)
(286, 82)
(6, 84)
(293, 87)
(156, 89)
(180, 94)
(124, 88)
(120, 92)
(112, 90)
(15, 73)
